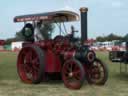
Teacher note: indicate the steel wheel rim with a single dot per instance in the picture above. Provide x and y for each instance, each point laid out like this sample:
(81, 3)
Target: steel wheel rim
(97, 72)
(28, 65)
(72, 75)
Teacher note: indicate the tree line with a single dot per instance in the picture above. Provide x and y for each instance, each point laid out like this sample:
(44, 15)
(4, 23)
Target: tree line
(112, 37)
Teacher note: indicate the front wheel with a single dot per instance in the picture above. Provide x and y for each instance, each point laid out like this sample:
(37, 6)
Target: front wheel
(73, 74)
(97, 73)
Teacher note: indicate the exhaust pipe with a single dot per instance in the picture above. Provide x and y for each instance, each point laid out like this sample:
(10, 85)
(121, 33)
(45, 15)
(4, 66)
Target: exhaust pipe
(84, 34)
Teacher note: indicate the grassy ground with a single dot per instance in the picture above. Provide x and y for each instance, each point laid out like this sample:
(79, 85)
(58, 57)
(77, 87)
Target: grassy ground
(10, 85)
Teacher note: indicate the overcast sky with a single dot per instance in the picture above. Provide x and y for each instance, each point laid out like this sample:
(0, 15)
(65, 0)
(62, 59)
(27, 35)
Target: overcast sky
(104, 16)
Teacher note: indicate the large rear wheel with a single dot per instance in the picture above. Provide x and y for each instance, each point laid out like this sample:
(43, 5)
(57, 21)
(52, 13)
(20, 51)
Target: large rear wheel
(73, 74)
(30, 64)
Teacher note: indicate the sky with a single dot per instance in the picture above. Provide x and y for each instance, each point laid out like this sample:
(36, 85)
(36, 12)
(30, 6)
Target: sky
(104, 16)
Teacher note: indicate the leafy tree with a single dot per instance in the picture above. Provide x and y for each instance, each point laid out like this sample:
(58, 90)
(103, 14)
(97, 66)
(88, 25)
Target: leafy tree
(10, 40)
(110, 37)
(125, 38)
(113, 37)
(100, 39)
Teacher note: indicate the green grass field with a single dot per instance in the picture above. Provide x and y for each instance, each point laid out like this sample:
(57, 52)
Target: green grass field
(10, 84)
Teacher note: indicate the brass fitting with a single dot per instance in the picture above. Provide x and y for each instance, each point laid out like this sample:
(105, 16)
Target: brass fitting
(84, 9)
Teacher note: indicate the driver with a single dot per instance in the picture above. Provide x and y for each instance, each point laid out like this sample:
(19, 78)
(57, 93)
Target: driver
(37, 33)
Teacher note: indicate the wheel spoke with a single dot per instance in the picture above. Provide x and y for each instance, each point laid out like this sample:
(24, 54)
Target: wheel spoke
(77, 77)
(28, 57)
(35, 60)
(26, 67)
(76, 72)
(35, 68)
(71, 65)
(34, 75)
(35, 64)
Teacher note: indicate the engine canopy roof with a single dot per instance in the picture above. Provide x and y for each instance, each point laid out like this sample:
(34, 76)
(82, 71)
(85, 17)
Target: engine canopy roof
(52, 17)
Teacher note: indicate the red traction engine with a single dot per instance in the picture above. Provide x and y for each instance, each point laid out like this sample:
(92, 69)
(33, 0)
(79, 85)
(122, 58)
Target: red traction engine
(63, 57)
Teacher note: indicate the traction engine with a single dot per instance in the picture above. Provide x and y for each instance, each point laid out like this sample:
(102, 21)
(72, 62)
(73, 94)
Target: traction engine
(63, 57)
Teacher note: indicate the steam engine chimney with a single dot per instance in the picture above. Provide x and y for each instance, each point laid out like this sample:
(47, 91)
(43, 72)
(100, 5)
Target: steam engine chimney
(84, 34)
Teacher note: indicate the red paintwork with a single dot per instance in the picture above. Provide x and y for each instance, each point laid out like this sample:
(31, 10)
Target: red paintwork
(24, 63)
(53, 63)
(56, 54)
(52, 52)
(53, 49)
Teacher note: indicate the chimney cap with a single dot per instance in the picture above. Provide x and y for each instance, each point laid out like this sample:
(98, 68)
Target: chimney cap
(84, 9)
